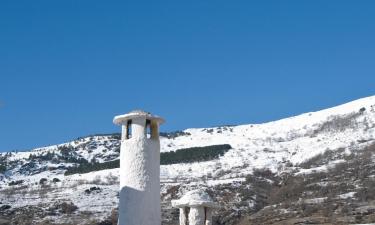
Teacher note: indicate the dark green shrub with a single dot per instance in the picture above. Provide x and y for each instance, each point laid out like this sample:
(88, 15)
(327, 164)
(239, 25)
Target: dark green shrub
(15, 182)
(43, 181)
(195, 154)
(174, 134)
(3, 168)
(89, 167)
(67, 207)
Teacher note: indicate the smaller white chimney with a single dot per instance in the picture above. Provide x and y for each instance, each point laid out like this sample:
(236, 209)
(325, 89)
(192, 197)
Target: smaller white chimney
(195, 208)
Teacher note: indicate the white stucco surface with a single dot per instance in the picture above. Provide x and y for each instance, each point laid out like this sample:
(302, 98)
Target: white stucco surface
(197, 216)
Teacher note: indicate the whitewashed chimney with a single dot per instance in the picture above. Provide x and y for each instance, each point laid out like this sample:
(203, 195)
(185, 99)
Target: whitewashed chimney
(199, 205)
(139, 169)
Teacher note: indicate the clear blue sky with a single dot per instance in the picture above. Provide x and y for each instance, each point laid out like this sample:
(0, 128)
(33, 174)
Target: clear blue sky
(67, 67)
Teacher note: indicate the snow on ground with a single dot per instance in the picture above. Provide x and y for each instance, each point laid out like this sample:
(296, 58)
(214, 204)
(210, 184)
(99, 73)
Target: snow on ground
(294, 139)
(270, 145)
(347, 195)
(323, 168)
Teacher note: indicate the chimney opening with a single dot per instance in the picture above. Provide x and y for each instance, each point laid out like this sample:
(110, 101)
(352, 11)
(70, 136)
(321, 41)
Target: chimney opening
(129, 129)
(148, 129)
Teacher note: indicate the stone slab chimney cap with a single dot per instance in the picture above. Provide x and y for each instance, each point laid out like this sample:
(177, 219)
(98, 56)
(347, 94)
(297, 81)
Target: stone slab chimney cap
(121, 119)
(195, 198)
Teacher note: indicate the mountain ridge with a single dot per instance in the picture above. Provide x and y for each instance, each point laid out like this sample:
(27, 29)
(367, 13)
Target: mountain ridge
(241, 178)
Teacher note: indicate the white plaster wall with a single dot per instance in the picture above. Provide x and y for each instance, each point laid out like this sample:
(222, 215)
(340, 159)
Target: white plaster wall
(139, 179)
(196, 216)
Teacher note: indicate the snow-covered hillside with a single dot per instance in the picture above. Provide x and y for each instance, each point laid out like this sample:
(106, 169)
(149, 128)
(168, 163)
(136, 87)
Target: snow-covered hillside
(273, 144)
(280, 146)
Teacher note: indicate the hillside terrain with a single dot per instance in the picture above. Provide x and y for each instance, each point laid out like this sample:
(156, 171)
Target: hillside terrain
(315, 168)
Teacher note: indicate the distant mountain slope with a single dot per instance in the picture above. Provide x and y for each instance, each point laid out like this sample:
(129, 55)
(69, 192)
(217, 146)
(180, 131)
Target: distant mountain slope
(258, 160)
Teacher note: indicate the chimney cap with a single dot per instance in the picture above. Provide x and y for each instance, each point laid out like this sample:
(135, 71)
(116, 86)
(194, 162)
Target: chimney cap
(195, 198)
(121, 119)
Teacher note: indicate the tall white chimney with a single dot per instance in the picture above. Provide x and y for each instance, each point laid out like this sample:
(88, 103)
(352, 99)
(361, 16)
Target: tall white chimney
(139, 169)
